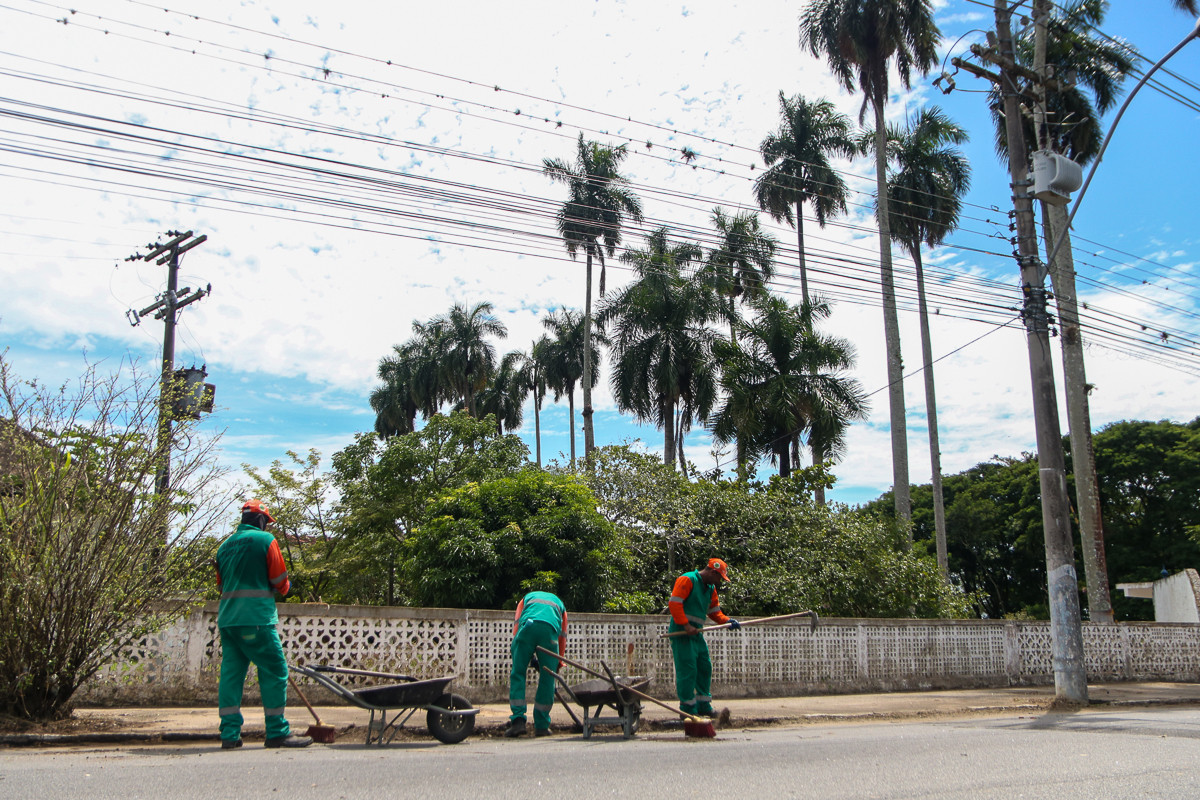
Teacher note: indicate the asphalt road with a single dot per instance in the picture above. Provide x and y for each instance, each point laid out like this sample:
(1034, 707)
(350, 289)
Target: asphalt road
(1134, 753)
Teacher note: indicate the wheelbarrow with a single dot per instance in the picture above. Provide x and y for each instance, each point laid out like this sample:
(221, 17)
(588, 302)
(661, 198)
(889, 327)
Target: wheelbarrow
(449, 717)
(599, 694)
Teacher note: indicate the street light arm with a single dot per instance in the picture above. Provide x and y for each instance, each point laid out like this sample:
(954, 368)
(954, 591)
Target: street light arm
(1062, 235)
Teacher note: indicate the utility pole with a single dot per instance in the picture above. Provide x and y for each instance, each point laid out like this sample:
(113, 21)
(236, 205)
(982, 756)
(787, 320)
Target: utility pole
(1079, 420)
(165, 308)
(1066, 627)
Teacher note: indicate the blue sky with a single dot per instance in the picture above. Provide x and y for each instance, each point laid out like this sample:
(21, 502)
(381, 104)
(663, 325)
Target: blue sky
(467, 99)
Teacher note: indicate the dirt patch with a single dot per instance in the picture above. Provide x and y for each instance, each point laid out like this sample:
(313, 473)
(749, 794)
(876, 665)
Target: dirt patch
(68, 726)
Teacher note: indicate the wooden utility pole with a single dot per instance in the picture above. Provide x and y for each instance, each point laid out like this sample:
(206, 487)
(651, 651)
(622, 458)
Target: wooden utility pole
(1066, 627)
(165, 308)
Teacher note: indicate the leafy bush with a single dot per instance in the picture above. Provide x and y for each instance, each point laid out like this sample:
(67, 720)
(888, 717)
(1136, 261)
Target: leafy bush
(91, 558)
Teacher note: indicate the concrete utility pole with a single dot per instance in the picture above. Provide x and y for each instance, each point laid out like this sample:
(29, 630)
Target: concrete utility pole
(1066, 627)
(1079, 420)
(166, 307)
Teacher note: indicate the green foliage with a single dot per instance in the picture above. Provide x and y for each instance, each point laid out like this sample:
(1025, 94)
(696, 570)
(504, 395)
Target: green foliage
(787, 553)
(308, 531)
(487, 543)
(91, 558)
(1149, 475)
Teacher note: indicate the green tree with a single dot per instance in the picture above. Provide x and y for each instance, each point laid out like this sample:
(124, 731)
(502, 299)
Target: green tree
(861, 40)
(598, 203)
(930, 178)
(786, 552)
(307, 529)
(663, 370)
(743, 260)
(84, 569)
(488, 543)
(386, 485)
(798, 168)
(468, 358)
(504, 396)
(1149, 482)
(781, 376)
(564, 360)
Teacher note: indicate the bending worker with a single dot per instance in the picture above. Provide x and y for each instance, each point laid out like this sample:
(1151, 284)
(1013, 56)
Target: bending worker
(541, 621)
(693, 599)
(250, 570)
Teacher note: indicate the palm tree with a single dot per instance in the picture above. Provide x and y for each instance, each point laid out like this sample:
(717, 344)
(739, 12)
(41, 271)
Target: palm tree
(743, 260)
(394, 403)
(861, 40)
(469, 360)
(783, 379)
(663, 370)
(798, 168)
(1068, 124)
(598, 202)
(563, 359)
(926, 191)
(504, 396)
(532, 374)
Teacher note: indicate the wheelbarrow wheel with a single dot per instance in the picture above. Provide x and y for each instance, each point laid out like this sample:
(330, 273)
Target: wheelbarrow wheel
(450, 728)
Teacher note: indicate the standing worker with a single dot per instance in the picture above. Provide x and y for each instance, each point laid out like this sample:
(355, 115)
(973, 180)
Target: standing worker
(693, 599)
(541, 621)
(250, 570)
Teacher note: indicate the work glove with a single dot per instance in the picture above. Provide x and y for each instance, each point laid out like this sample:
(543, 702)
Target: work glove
(536, 664)
(734, 624)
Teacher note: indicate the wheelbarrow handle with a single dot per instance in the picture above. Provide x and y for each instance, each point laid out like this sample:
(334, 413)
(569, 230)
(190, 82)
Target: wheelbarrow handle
(365, 672)
(641, 694)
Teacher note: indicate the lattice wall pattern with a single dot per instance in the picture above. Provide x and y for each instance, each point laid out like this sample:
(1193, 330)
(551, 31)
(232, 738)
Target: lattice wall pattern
(183, 661)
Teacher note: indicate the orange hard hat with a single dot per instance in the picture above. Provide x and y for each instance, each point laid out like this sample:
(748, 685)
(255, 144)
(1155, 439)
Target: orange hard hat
(257, 506)
(720, 567)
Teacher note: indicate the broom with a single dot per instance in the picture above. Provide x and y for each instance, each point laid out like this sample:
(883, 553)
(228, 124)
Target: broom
(325, 734)
(701, 727)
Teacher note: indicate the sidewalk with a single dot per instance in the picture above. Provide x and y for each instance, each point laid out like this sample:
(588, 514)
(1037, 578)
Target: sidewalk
(120, 725)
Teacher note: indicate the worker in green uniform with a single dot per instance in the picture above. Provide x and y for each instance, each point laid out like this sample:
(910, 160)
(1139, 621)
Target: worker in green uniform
(693, 600)
(250, 569)
(540, 621)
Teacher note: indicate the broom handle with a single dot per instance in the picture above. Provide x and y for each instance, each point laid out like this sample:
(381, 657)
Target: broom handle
(624, 688)
(743, 624)
(311, 710)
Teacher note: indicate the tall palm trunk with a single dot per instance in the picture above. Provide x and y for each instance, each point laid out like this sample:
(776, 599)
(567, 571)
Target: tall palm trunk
(1079, 420)
(800, 248)
(668, 413)
(589, 440)
(571, 407)
(935, 452)
(891, 325)
(537, 427)
(818, 458)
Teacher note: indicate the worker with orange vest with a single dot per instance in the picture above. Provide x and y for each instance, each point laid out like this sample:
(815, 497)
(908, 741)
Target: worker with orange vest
(540, 621)
(693, 600)
(250, 570)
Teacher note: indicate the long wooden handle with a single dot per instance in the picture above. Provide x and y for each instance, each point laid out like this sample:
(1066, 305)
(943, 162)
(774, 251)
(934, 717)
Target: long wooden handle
(624, 688)
(311, 710)
(812, 614)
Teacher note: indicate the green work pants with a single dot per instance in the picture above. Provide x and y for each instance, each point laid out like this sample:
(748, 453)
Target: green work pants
(532, 634)
(241, 646)
(693, 674)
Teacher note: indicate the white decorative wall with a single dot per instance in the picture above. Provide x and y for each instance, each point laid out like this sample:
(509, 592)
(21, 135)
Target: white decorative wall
(180, 665)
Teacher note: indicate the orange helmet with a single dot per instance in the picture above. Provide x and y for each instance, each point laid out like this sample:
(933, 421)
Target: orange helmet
(720, 567)
(257, 506)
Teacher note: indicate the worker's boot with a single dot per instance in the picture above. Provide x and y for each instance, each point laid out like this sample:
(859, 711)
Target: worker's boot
(291, 740)
(515, 728)
(230, 744)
